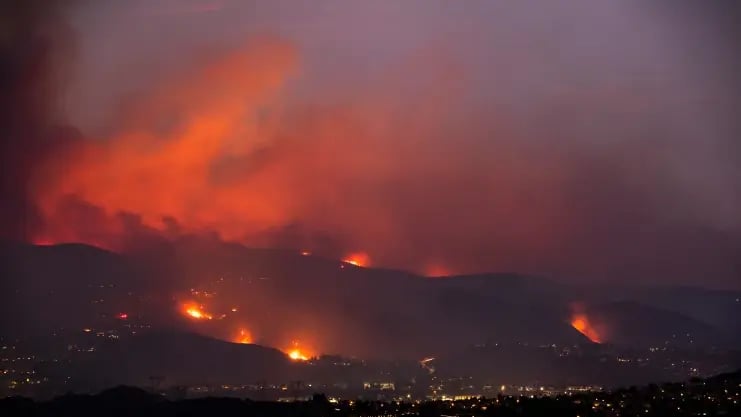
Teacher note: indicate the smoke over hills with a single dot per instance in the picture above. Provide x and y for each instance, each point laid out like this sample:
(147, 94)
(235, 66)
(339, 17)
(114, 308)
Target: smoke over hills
(606, 160)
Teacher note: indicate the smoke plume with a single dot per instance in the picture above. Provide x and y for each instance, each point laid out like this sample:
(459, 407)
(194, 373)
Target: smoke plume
(444, 159)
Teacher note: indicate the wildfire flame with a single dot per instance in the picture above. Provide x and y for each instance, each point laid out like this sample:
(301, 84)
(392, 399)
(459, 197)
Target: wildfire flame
(196, 312)
(298, 353)
(244, 337)
(581, 323)
(360, 259)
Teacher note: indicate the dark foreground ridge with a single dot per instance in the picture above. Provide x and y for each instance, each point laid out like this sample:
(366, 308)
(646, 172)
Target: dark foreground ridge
(716, 396)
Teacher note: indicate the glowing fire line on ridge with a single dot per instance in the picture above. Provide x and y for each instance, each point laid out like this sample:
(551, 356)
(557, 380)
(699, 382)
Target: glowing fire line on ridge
(581, 323)
(298, 353)
(359, 259)
(243, 337)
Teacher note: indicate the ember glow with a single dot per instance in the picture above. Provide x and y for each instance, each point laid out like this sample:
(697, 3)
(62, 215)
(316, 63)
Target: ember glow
(196, 312)
(360, 259)
(581, 323)
(243, 336)
(436, 271)
(298, 353)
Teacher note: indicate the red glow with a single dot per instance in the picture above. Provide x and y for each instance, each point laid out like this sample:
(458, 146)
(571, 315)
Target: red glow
(359, 259)
(195, 311)
(581, 323)
(221, 169)
(243, 336)
(298, 352)
(436, 271)
(122, 316)
(43, 241)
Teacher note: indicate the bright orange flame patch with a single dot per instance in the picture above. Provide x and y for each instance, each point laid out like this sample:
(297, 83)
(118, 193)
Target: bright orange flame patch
(581, 323)
(196, 312)
(360, 259)
(244, 337)
(298, 353)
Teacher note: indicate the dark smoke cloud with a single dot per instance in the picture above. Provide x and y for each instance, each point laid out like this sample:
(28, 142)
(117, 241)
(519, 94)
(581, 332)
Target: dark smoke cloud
(35, 46)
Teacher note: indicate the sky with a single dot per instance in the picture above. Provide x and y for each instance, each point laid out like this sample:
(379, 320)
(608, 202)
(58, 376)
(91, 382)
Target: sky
(584, 141)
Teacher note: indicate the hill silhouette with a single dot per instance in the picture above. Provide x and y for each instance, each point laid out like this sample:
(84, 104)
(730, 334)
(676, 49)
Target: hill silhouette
(336, 307)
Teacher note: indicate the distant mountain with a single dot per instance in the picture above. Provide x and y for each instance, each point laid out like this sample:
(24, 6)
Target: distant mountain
(71, 286)
(637, 325)
(720, 309)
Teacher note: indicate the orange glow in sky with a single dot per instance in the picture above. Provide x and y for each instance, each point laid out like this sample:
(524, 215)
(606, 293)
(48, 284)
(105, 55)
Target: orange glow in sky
(207, 172)
(360, 259)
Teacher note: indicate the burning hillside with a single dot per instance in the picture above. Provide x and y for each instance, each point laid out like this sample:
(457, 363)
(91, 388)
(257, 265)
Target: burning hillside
(581, 323)
(585, 323)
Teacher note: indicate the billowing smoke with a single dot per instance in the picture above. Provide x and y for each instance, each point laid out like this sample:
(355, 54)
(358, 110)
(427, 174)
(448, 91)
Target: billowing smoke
(600, 155)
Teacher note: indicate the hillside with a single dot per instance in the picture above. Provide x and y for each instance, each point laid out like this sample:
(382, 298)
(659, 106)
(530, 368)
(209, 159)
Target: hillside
(331, 307)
